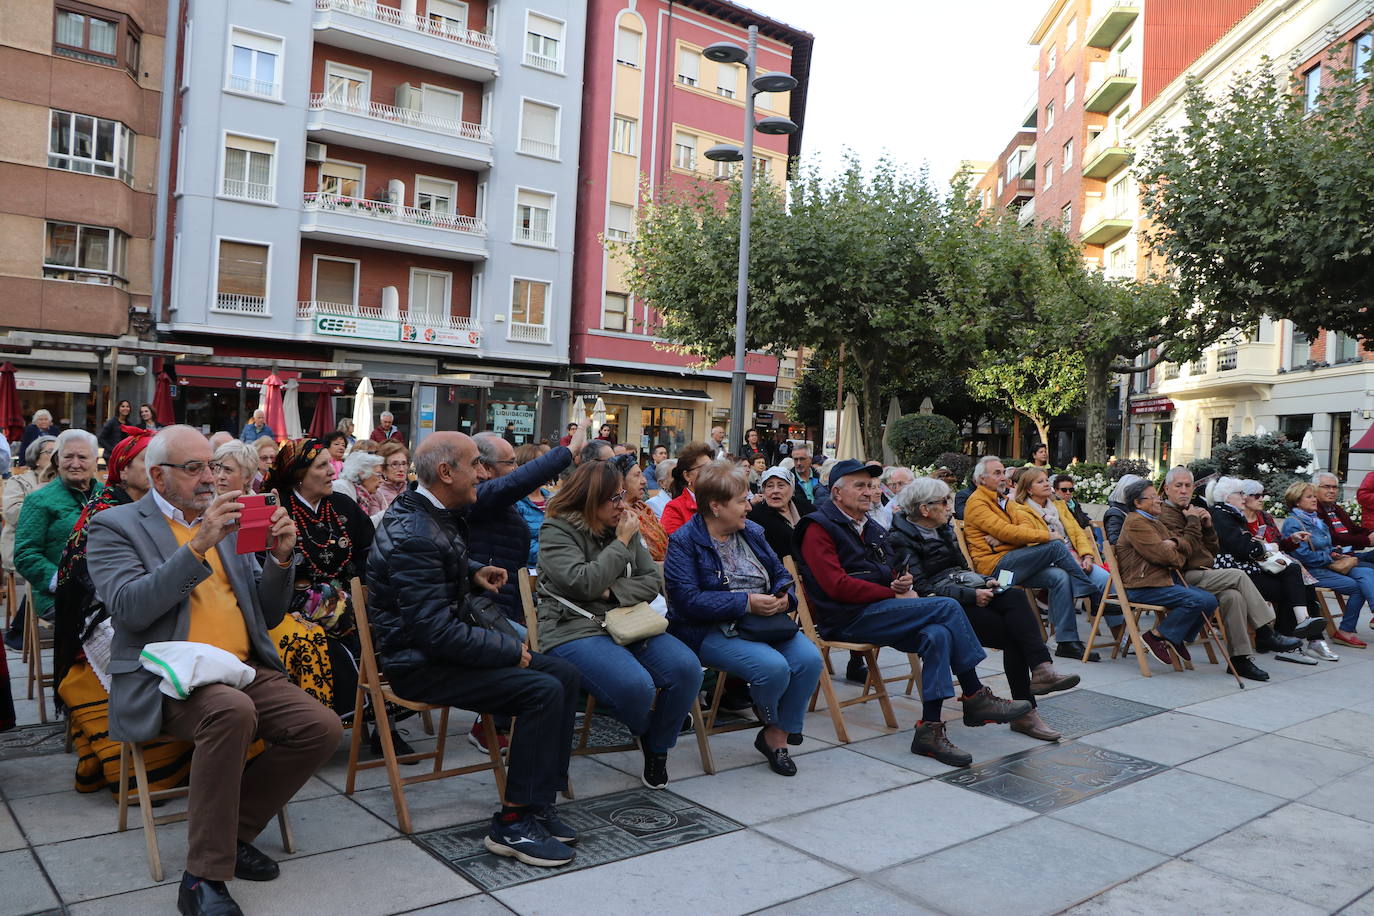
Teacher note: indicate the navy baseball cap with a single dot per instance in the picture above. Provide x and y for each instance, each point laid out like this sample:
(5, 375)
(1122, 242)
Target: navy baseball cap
(852, 466)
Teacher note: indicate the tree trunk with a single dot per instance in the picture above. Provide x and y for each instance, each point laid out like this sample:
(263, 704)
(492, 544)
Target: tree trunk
(870, 411)
(1041, 430)
(1097, 385)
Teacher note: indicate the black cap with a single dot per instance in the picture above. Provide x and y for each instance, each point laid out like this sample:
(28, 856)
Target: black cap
(852, 466)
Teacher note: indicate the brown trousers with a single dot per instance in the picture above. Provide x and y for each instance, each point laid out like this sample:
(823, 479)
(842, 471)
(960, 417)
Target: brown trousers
(1242, 606)
(231, 802)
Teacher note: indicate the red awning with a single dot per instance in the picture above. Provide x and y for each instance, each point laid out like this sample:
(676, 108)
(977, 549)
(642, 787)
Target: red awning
(201, 376)
(1366, 443)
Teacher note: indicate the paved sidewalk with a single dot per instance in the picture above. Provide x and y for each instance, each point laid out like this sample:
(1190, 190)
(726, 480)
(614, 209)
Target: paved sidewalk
(1172, 794)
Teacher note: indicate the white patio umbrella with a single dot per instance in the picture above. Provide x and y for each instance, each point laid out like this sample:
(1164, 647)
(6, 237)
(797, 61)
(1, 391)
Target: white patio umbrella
(1309, 444)
(362, 409)
(579, 411)
(894, 410)
(851, 444)
(598, 418)
(291, 408)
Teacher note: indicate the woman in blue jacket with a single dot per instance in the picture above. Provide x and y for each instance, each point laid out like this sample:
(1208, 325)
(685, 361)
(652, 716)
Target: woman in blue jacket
(1316, 553)
(718, 571)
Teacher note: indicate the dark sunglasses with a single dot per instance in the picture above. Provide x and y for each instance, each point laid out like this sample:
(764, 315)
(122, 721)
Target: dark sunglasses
(1066, 489)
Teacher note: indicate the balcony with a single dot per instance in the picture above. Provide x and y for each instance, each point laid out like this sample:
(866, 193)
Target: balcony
(1026, 214)
(371, 28)
(1118, 83)
(542, 62)
(366, 324)
(398, 131)
(1104, 223)
(1112, 24)
(248, 190)
(1242, 370)
(527, 333)
(1105, 156)
(382, 224)
(534, 236)
(1025, 165)
(1022, 188)
(1168, 371)
(235, 304)
(541, 148)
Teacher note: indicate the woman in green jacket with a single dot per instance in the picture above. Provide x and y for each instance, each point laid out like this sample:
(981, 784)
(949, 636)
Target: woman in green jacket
(50, 514)
(591, 561)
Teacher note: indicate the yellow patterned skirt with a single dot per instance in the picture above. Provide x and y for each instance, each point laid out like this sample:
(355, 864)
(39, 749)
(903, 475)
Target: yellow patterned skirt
(304, 651)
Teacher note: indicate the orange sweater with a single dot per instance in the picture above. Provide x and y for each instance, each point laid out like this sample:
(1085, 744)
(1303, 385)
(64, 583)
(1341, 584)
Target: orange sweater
(215, 615)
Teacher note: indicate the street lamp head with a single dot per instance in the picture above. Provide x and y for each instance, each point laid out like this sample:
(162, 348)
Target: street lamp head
(774, 81)
(725, 52)
(776, 124)
(724, 152)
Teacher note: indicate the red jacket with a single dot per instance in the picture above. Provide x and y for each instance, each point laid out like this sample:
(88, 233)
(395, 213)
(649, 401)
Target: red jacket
(379, 436)
(1365, 495)
(679, 511)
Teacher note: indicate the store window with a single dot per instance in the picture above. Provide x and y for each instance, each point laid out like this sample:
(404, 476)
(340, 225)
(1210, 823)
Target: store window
(1220, 426)
(514, 406)
(1294, 426)
(1340, 445)
(670, 427)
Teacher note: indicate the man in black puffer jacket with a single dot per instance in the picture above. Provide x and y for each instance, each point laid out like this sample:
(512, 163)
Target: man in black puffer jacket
(434, 650)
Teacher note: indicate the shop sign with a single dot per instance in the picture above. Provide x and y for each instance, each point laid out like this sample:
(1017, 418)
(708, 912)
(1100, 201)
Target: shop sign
(522, 415)
(1152, 405)
(420, 332)
(350, 326)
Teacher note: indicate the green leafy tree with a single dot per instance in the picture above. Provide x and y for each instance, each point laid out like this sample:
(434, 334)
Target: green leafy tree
(1039, 387)
(920, 438)
(1262, 208)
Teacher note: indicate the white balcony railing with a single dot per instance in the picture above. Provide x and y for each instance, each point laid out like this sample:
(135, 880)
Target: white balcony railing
(1026, 213)
(389, 15)
(409, 117)
(539, 148)
(543, 62)
(386, 211)
(248, 190)
(1168, 371)
(307, 309)
(1227, 359)
(1103, 141)
(528, 333)
(253, 87)
(240, 304)
(533, 236)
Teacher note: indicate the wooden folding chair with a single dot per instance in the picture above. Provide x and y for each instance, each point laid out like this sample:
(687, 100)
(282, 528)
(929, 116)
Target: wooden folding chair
(1325, 598)
(874, 689)
(142, 796)
(1046, 625)
(34, 645)
(11, 595)
(372, 686)
(527, 582)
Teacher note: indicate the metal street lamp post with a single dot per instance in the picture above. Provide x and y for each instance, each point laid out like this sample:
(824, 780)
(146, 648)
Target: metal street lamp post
(773, 81)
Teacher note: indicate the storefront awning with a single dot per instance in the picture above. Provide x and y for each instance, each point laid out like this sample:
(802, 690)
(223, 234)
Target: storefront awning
(653, 391)
(52, 380)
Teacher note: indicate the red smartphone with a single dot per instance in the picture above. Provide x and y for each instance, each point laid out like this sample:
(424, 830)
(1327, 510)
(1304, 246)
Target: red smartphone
(255, 522)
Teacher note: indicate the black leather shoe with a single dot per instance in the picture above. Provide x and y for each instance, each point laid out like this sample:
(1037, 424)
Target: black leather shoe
(401, 746)
(794, 738)
(856, 672)
(779, 761)
(252, 864)
(201, 897)
(1075, 650)
(1247, 668)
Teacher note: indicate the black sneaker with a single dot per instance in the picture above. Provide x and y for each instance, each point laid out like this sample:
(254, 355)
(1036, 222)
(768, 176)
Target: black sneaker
(525, 839)
(985, 706)
(655, 770)
(856, 672)
(558, 828)
(930, 741)
(1311, 628)
(202, 897)
(1267, 640)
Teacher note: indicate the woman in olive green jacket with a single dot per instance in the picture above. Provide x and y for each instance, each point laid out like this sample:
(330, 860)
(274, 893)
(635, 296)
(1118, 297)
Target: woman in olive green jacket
(592, 558)
(49, 514)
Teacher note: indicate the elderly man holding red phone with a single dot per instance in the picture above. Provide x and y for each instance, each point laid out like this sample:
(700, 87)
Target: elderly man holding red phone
(168, 568)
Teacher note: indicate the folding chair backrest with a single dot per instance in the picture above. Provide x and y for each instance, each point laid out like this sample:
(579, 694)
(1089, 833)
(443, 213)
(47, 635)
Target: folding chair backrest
(963, 543)
(367, 658)
(803, 608)
(1115, 590)
(527, 580)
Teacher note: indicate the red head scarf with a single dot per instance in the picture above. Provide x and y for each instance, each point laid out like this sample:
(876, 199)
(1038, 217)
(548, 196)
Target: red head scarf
(125, 452)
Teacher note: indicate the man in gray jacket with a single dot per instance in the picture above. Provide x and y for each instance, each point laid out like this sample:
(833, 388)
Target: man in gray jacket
(166, 568)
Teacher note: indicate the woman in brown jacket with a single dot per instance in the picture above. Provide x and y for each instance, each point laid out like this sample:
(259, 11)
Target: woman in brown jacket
(1151, 566)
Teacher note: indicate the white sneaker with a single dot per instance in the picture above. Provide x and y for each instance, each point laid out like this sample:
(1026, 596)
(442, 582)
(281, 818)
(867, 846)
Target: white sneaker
(1296, 656)
(1317, 648)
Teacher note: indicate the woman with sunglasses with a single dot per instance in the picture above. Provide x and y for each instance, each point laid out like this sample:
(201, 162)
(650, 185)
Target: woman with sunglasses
(592, 560)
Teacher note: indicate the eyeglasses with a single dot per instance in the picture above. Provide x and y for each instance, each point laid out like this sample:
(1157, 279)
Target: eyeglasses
(398, 464)
(194, 468)
(619, 497)
(1066, 489)
(217, 466)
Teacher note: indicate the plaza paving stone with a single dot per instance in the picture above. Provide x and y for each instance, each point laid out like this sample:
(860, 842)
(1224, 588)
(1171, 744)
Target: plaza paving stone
(1233, 801)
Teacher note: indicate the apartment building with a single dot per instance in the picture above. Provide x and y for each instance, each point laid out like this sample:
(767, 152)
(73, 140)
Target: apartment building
(652, 106)
(1271, 378)
(360, 187)
(80, 105)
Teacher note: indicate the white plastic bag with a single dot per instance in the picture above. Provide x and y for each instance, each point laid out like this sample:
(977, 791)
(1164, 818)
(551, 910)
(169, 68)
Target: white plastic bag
(184, 666)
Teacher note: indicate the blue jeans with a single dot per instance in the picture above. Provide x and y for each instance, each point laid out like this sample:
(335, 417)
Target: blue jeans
(1186, 606)
(1051, 566)
(649, 685)
(937, 629)
(781, 677)
(1357, 585)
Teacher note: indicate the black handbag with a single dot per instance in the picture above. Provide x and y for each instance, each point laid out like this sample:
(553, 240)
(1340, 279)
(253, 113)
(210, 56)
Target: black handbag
(481, 611)
(773, 629)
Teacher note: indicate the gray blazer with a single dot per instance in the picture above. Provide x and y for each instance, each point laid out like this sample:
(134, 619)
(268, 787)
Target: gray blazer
(145, 579)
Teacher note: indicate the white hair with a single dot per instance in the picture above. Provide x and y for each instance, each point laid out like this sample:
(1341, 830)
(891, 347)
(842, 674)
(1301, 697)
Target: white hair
(67, 437)
(1176, 472)
(41, 413)
(1318, 477)
(159, 449)
(31, 453)
(359, 466)
(663, 471)
(1226, 487)
(918, 493)
(885, 478)
(241, 453)
(386, 414)
(826, 467)
(981, 468)
(1118, 494)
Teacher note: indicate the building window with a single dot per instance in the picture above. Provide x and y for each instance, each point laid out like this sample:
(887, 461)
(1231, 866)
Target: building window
(528, 300)
(447, 16)
(533, 217)
(1299, 350)
(1049, 174)
(336, 281)
(1068, 154)
(620, 222)
(92, 146)
(96, 36)
(429, 292)
(685, 151)
(241, 283)
(341, 179)
(688, 66)
(84, 254)
(615, 312)
(1364, 51)
(1219, 430)
(1066, 217)
(1051, 56)
(1068, 93)
(726, 170)
(1049, 116)
(762, 168)
(1294, 426)
(1070, 32)
(434, 195)
(253, 64)
(347, 88)
(624, 135)
(1311, 88)
(627, 42)
(764, 101)
(248, 168)
(543, 43)
(539, 130)
(727, 80)
(1341, 348)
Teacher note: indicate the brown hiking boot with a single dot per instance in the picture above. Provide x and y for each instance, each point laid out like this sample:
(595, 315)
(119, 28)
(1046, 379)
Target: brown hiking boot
(1047, 680)
(985, 706)
(930, 741)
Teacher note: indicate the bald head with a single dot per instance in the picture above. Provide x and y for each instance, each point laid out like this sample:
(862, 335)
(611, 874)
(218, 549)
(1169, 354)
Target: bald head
(171, 450)
(446, 465)
(219, 439)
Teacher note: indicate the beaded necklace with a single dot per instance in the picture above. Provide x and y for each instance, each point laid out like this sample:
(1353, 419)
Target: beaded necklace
(334, 535)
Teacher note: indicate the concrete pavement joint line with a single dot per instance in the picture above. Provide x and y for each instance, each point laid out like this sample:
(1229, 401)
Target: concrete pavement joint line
(33, 851)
